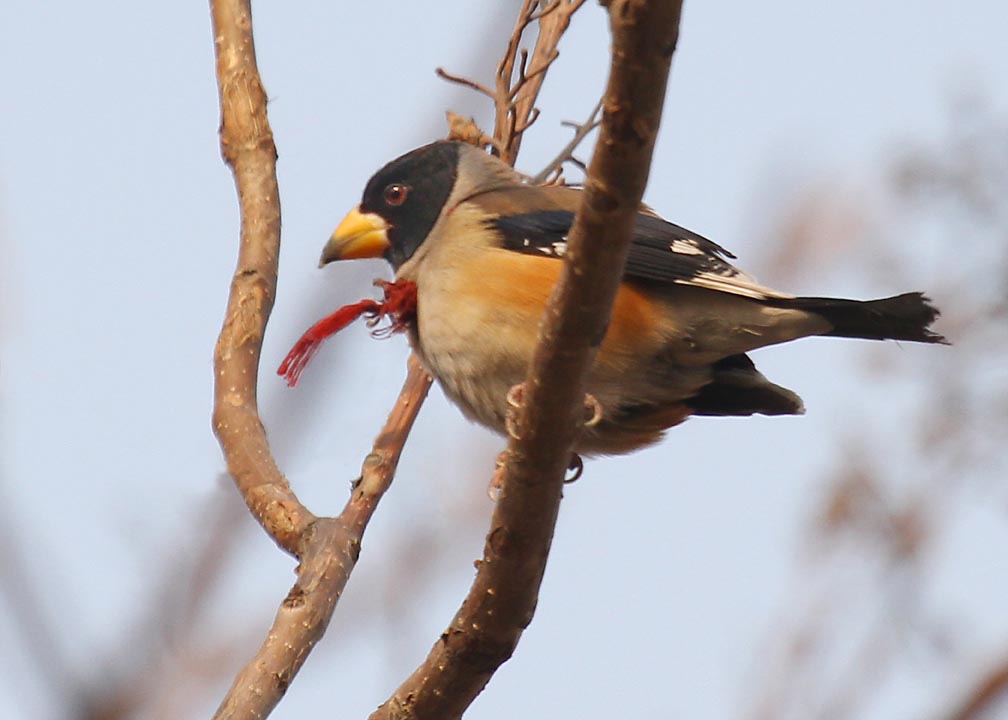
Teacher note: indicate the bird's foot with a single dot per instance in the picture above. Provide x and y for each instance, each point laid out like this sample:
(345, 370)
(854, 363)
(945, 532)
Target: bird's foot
(514, 400)
(576, 467)
(496, 486)
(593, 410)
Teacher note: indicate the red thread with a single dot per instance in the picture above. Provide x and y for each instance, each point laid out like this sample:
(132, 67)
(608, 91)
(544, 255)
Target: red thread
(399, 305)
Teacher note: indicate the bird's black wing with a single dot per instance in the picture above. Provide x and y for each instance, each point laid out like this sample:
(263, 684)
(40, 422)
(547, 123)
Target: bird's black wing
(660, 251)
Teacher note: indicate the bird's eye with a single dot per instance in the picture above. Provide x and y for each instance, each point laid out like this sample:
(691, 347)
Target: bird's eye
(395, 194)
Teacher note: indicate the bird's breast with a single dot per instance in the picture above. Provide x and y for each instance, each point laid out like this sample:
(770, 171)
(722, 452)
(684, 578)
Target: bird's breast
(477, 325)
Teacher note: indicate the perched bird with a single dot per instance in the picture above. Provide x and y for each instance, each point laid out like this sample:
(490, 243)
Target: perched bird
(484, 249)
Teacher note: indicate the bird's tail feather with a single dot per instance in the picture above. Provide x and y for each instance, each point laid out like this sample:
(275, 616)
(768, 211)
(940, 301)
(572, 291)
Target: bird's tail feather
(901, 317)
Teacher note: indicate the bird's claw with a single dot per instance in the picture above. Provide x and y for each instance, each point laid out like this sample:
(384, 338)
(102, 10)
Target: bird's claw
(593, 410)
(496, 487)
(514, 400)
(575, 466)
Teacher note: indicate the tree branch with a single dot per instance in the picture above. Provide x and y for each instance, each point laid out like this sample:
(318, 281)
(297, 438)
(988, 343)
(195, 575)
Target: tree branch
(514, 98)
(503, 596)
(247, 146)
(330, 548)
(326, 547)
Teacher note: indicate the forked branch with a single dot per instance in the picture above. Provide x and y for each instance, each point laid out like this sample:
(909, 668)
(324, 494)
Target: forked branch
(326, 547)
(329, 552)
(514, 94)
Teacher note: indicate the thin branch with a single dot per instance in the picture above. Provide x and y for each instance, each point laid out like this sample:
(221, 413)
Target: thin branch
(503, 596)
(466, 82)
(330, 550)
(566, 154)
(247, 146)
(515, 101)
(515, 98)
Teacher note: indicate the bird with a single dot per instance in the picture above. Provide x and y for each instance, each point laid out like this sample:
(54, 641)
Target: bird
(484, 249)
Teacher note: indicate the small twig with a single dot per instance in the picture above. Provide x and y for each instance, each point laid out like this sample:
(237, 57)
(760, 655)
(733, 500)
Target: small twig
(458, 80)
(531, 119)
(524, 79)
(545, 11)
(516, 100)
(581, 131)
(514, 97)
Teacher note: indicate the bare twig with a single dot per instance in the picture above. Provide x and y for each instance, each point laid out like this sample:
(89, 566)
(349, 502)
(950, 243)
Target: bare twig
(554, 169)
(515, 101)
(465, 82)
(502, 600)
(514, 94)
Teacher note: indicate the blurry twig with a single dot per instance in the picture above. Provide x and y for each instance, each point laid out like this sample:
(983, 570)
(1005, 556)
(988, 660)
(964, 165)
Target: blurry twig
(988, 690)
(26, 611)
(553, 172)
(152, 668)
(894, 517)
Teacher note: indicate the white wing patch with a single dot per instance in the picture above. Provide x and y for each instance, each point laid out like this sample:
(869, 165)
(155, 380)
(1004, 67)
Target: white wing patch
(735, 283)
(686, 247)
(554, 249)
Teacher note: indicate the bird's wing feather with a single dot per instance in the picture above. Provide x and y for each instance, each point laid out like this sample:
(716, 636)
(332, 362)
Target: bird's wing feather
(660, 251)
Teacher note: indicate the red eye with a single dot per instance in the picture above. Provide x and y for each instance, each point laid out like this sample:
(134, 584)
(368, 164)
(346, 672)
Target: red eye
(395, 194)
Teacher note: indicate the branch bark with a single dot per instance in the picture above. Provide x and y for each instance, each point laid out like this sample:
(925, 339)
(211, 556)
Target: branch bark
(330, 550)
(326, 547)
(502, 599)
(247, 147)
(515, 99)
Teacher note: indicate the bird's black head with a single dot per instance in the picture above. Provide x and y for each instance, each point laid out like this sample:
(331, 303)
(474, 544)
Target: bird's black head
(409, 193)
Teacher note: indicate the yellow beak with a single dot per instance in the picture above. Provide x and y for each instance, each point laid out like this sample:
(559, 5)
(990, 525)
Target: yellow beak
(360, 235)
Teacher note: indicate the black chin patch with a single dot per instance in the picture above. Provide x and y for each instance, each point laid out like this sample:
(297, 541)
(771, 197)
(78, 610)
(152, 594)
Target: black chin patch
(429, 174)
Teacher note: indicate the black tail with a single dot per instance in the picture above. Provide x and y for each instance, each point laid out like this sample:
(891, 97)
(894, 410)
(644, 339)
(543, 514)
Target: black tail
(902, 317)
